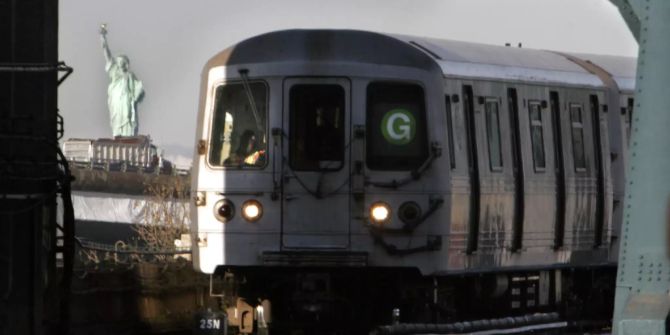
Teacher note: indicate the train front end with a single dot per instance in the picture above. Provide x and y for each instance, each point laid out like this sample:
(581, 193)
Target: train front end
(320, 181)
(320, 148)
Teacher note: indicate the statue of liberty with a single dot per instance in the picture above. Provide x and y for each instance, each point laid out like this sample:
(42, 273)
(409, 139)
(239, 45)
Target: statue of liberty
(123, 93)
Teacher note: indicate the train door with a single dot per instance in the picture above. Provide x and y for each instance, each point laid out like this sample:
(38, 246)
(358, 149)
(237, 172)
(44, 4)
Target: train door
(316, 184)
(602, 169)
(494, 170)
(458, 107)
(473, 168)
(539, 170)
(582, 205)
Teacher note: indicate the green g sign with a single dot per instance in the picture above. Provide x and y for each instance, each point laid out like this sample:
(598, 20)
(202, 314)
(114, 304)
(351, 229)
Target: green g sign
(398, 126)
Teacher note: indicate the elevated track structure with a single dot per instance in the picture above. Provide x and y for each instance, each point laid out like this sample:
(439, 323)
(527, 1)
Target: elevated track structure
(643, 279)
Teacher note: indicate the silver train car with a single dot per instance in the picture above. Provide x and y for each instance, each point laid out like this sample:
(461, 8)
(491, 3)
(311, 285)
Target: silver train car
(359, 158)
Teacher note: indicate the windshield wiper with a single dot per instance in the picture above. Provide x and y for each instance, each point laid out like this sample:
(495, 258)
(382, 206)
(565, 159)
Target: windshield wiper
(244, 73)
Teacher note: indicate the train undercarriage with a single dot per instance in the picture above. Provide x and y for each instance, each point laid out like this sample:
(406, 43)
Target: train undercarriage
(358, 300)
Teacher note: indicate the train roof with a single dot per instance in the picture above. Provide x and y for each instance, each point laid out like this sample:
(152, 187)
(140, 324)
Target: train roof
(475, 60)
(622, 69)
(453, 58)
(319, 45)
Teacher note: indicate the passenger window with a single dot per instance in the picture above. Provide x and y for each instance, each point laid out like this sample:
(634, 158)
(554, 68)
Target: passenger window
(536, 135)
(316, 123)
(238, 136)
(395, 127)
(493, 134)
(577, 137)
(450, 133)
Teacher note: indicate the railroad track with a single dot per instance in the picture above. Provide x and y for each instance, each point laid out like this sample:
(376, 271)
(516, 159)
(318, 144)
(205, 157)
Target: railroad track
(540, 323)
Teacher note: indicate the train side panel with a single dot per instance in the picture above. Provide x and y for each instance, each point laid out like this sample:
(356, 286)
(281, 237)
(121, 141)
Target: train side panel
(531, 186)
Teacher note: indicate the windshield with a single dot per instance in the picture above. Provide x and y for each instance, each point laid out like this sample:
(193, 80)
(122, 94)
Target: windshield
(236, 140)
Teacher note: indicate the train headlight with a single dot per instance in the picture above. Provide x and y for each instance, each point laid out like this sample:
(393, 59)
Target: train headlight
(380, 212)
(252, 210)
(224, 210)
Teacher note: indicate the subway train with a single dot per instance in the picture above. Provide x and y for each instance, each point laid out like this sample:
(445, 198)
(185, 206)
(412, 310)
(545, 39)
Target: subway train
(354, 178)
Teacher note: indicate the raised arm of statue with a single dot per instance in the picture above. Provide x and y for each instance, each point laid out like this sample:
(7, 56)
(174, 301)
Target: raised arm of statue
(105, 47)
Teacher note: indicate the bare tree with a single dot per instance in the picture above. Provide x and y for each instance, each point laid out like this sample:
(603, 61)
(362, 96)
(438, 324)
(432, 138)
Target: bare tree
(165, 216)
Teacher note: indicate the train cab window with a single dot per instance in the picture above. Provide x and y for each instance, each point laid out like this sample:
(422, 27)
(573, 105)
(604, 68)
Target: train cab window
(493, 135)
(316, 124)
(577, 137)
(536, 135)
(238, 134)
(395, 126)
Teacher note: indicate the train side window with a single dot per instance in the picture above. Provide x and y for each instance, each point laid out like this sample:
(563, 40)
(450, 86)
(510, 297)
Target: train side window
(316, 124)
(450, 132)
(577, 137)
(493, 135)
(238, 135)
(536, 135)
(395, 126)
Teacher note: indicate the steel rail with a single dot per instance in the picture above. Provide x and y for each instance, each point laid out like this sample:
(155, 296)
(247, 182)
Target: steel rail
(531, 323)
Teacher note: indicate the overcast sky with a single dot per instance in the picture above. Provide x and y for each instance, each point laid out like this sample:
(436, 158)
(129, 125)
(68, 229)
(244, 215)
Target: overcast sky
(168, 42)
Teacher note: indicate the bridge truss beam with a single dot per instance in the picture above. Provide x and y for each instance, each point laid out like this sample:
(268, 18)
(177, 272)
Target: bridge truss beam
(643, 279)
